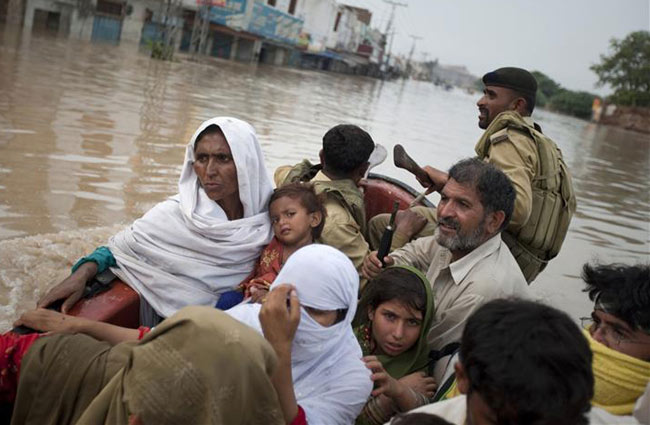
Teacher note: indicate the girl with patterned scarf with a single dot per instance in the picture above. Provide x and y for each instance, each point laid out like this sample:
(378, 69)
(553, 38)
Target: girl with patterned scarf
(392, 320)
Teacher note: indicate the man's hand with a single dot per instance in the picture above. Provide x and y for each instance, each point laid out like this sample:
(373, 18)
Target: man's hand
(50, 321)
(279, 317)
(371, 266)
(384, 383)
(439, 179)
(409, 223)
(71, 289)
(421, 383)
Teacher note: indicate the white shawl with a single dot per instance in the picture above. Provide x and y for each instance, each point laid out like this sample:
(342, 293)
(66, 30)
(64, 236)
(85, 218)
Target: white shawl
(330, 381)
(184, 251)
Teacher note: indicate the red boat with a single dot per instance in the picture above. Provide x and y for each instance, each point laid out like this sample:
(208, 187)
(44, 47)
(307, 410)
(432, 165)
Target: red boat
(120, 304)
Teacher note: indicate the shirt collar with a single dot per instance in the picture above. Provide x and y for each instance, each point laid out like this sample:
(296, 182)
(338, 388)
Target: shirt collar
(460, 268)
(321, 177)
(529, 121)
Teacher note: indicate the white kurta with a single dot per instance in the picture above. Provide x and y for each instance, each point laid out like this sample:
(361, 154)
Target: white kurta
(185, 251)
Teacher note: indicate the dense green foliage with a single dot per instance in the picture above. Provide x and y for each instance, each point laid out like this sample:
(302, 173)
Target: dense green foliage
(546, 88)
(552, 96)
(573, 103)
(627, 69)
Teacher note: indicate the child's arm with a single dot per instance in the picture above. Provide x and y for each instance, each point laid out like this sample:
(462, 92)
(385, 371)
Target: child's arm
(51, 321)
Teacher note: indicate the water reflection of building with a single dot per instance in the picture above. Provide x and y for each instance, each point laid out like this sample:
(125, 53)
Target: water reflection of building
(320, 34)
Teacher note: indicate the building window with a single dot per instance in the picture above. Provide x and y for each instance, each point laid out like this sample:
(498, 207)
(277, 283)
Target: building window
(109, 8)
(292, 7)
(271, 2)
(336, 23)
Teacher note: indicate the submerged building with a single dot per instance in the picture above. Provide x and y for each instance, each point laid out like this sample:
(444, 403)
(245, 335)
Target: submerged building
(319, 34)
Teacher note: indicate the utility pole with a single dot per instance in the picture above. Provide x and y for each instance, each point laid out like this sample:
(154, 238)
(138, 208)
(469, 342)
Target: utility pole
(389, 26)
(171, 18)
(200, 29)
(408, 63)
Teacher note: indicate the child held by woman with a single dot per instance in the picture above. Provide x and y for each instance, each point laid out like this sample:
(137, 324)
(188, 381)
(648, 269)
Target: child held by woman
(297, 218)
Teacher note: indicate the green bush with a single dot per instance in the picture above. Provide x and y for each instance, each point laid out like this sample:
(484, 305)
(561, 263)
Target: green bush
(573, 103)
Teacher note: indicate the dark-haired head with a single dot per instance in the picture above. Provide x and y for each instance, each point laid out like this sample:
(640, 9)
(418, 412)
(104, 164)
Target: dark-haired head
(621, 290)
(211, 129)
(494, 188)
(396, 283)
(621, 316)
(528, 363)
(346, 150)
(530, 101)
(304, 193)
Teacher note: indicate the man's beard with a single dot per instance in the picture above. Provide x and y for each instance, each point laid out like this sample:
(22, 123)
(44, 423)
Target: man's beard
(460, 241)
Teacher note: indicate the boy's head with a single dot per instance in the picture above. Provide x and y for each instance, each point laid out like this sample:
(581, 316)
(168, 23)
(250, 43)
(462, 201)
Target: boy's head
(296, 212)
(346, 150)
(524, 363)
(621, 315)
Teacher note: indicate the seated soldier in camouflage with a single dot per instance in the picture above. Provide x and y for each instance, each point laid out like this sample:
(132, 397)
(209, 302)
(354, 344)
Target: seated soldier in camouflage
(343, 163)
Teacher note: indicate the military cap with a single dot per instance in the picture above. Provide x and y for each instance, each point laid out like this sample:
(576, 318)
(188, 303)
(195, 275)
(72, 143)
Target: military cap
(512, 78)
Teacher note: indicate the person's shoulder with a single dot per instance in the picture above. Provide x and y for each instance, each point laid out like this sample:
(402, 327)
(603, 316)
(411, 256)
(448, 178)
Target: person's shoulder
(507, 274)
(598, 416)
(453, 410)
(336, 211)
(498, 274)
(519, 138)
(281, 174)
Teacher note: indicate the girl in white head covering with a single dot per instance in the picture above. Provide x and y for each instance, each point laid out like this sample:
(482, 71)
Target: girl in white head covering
(330, 381)
(185, 250)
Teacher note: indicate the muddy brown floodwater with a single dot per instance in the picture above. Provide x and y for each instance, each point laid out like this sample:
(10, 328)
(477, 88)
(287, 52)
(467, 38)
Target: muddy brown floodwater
(92, 136)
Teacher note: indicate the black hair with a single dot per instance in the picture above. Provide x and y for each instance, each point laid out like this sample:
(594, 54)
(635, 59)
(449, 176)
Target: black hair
(346, 147)
(397, 283)
(625, 290)
(530, 101)
(211, 129)
(494, 188)
(308, 198)
(529, 362)
(418, 418)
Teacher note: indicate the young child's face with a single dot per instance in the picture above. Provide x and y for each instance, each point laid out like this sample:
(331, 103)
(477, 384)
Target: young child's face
(291, 222)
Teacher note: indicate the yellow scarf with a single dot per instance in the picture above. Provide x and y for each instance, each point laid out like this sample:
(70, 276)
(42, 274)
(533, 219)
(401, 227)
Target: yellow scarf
(619, 379)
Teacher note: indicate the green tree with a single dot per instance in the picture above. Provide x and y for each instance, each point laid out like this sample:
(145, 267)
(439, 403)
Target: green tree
(573, 103)
(627, 69)
(546, 88)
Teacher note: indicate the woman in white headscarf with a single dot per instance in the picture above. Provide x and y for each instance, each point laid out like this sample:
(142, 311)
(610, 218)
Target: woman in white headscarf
(200, 243)
(307, 319)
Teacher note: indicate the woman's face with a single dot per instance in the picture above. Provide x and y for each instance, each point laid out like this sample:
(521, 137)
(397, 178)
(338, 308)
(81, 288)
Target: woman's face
(215, 168)
(395, 327)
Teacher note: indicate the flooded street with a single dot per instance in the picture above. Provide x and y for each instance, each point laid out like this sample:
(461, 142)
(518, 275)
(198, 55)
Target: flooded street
(92, 136)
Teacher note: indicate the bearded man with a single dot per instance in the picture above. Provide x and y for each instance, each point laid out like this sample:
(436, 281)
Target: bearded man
(466, 261)
(515, 144)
